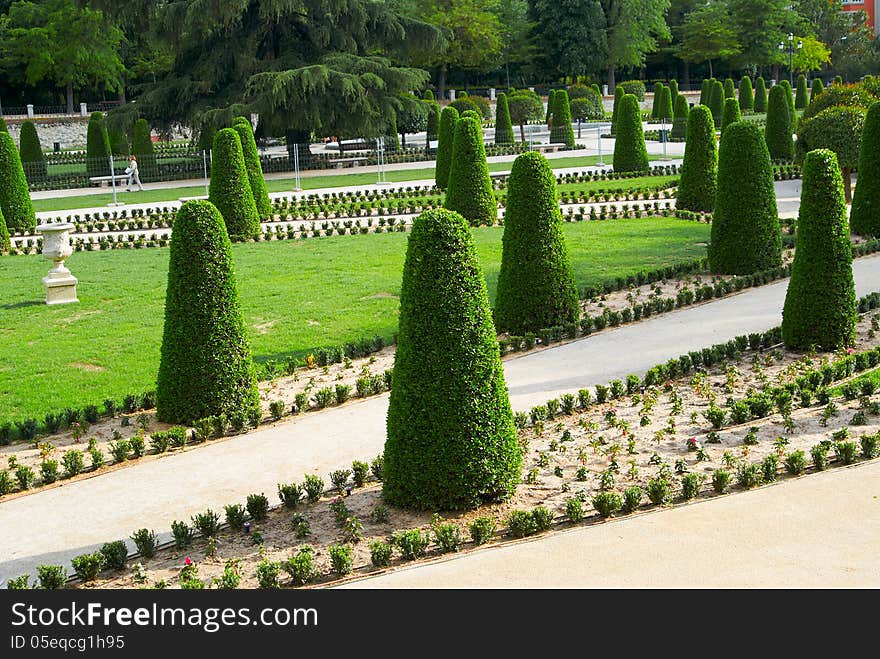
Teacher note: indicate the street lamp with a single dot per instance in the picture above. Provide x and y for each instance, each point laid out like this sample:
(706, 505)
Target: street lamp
(800, 45)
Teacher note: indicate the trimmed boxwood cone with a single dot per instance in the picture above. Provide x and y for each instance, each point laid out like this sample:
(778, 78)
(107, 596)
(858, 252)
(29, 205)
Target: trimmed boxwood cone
(254, 168)
(470, 187)
(206, 367)
(655, 105)
(705, 91)
(745, 234)
(801, 100)
(865, 214)
(503, 126)
(618, 94)
(451, 443)
(760, 95)
(729, 89)
(230, 189)
(664, 106)
(142, 148)
(536, 286)
(817, 88)
(731, 113)
(789, 99)
(746, 95)
(118, 142)
(699, 168)
(15, 197)
(550, 105)
(448, 118)
(4, 235)
(673, 88)
(679, 123)
(716, 102)
(820, 305)
(778, 129)
(630, 154)
(433, 124)
(3, 127)
(561, 131)
(32, 158)
(97, 146)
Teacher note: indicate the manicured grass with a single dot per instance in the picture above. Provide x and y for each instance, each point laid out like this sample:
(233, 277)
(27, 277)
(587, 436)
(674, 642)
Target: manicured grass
(295, 295)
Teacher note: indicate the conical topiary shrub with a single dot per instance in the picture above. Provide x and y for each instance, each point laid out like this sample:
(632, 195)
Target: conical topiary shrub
(820, 305)
(618, 94)
(550, 105)
(673, 88)
(729, 88)
(433, 122)
(760, 95)
(561, 131)
(119, 142)
(778, 129)
(706, 91)
(817, 88)
(801, 100)
(536, 287)
(503, 125)
(731, 113)
(142, 149)
(746, 95)
(789, 99)
(5, 245)
(254, 169)
(745, 234)
(392, 141)
(230, 189)
(699, 168)
(655, 105)
(205, 368)
(15, 198)
(664, 107)
(630, 154)
(3, 126)
(716, 102)
(97, 146)
(451, 442)
(448, 119)
(865, 214)
(32, 158)
(470, 187)
(679, 123)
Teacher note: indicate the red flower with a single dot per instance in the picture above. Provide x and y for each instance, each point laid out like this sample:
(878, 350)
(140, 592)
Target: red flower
(188, 561)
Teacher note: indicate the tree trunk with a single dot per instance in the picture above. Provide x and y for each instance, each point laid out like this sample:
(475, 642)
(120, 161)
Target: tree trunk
(441, 82)
(403, 140)
(579, 129)
(122, 99)
(776, 72)
(711, 75)
(507, 72)
(610, 79)
(847, 184)
(69, 98)
(522, 132)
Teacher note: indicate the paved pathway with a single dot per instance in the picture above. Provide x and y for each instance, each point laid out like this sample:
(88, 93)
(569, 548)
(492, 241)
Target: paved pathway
(817, 531)
(57, 524)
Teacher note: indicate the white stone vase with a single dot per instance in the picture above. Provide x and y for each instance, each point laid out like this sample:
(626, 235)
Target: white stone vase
(60, 285)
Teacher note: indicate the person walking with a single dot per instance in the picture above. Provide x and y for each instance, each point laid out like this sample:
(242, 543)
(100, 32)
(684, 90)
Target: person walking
(133, 176)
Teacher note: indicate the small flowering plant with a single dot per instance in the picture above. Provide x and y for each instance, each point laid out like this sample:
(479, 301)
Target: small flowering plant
(693, 444)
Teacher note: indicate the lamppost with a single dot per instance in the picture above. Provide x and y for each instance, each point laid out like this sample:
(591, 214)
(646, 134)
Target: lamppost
(800, 45)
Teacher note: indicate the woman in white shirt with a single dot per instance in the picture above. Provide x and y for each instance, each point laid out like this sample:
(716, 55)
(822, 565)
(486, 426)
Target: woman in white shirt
(133, 176)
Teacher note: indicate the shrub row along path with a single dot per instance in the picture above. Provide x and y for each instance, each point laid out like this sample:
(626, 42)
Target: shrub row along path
(59, 523)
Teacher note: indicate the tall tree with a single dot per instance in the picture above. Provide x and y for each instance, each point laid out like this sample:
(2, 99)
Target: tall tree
(706, 34)
(761, 25)
(633, 28)
(571, 36)
(516, 47)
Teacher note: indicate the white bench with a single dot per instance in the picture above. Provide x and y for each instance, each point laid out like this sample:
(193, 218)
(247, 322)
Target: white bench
(104, 181)
(549, 148)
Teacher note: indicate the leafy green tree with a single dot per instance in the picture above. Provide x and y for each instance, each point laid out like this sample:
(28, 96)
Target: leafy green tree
(142, 148)
(837, 129)
(618, 94)
(817, 88)
(571, 36)
(634, 28)
(5, 245)
(707, 34)
(729, 90)
(760, 25)
(525, 107)
(716, 102)
(412, 117)
(97, 146)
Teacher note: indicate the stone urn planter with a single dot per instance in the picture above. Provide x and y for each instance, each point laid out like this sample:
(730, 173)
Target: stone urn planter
(60, 285)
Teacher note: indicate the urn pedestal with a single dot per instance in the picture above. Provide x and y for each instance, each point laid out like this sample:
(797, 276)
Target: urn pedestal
(60, 285)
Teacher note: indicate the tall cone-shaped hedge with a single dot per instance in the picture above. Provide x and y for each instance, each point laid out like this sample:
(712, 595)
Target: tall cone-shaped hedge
(97, 146)
(778, 129)
(451, 443)
(433, 123)
(655, 105)
(550, 105)
(561, 131)
(664, 106)
(673, 88)
(618, 94)
(446, 136)
(503, 125)
(746, 95)
(119, 142)
(206, 367)
(731, 113)
(230, 189)
(679, 123)
(864, 217)
(745, 234)
(705, 91)
(536, 286)
(3, 126)
(789, 99)
(716, 102)
(32, 158)
(729, 88)
(4, 235)
(254, 169)
(817, 88)
(470, 187)
(15, 198)
(630, 154)
(392, 140)
(699, 168)
(142, 148)
(820, 305)
(760, 95)
(801, 99)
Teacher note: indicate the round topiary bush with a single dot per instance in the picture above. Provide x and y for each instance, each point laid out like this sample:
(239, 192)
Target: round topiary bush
(97, 146)
(778, 129)
(618, 94)
(470, 187)
(254, 169)
(820, 305)
(729, 88)
(746, 95)
(634, 87)
(760, 95)
(448, 119)
(205, 367)
(731, 113)
(864, 217)
(31, 152)
(679, 123)
(801, 99)
(716, 102)
(817, 89)
(838, 128)
(4, 235)
(230, 189)
(561, 131)
(15, 197)
(745, 234)
(699, 168)
(630, 154)
(142, 149)
(503, 125)
(536, 287)
(451, 442)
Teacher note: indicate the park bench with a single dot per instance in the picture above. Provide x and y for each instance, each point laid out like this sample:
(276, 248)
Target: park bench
(549, 148)
(104, 181)
(339, 163)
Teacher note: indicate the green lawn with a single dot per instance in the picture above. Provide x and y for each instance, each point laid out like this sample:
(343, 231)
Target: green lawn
(296, 295)
(283, 185)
